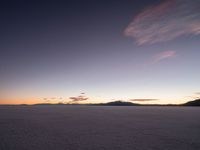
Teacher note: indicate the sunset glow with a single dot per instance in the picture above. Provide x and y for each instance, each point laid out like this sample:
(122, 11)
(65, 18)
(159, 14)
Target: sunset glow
(138, 51)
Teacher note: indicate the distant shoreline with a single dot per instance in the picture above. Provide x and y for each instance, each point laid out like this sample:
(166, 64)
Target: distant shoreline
(194, 103)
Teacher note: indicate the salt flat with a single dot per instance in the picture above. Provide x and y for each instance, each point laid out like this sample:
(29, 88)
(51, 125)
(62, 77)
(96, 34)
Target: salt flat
(99, 128)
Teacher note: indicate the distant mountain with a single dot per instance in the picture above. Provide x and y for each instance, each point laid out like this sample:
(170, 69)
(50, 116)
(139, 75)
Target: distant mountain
(43, 104)
(56, 104)
(125, 103)
(114, 103)
(119, 103)
(193, 103)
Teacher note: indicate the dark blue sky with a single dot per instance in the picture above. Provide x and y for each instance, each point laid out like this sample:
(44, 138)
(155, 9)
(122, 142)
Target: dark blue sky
(62, 48)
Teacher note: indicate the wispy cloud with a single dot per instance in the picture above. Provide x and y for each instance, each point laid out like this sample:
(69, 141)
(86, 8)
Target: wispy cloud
(52, 99)
(165, 22)
(191, 97)
(197, 93)
(143, 100)
(78, 98)
(164, 55)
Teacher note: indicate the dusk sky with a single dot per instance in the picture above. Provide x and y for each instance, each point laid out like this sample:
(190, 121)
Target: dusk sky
(91, 51)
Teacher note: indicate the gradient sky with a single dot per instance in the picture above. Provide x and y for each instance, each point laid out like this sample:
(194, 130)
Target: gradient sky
(145, 51)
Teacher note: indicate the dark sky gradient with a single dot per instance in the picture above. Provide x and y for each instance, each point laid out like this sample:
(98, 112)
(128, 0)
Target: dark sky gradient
(62, 48)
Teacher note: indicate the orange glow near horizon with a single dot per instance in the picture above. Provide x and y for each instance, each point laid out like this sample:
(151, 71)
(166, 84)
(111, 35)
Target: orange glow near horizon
(31, 101)
(19, 101)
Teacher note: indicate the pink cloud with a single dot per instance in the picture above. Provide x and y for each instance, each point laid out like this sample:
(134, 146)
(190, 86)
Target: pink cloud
(164, 55)
(166, 21)
(78, 98)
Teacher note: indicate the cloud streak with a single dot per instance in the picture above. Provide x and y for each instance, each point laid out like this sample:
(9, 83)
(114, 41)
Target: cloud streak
(52, 98)
(78, 98)
(164, 55)
(165, 22)
(197, 93)
(143, 100)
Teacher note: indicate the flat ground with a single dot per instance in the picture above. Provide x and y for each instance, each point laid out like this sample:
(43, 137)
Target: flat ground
(99, 128)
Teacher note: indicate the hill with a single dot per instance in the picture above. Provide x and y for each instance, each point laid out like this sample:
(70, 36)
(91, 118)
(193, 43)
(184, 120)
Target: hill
(119, 103)
(193, 103)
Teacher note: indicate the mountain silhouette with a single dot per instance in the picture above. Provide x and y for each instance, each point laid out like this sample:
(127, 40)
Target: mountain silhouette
(193, 103)
(120, 103)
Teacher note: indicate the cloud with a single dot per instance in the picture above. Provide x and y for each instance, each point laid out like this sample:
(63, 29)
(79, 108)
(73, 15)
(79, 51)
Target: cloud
(78, 98)
(197, 93)
(166, 21)
(46, 100)
(143, 100)
(52, 99)
(164, 55)
(192, 97)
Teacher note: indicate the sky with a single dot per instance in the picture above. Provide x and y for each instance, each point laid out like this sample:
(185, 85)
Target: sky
(96, 51)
